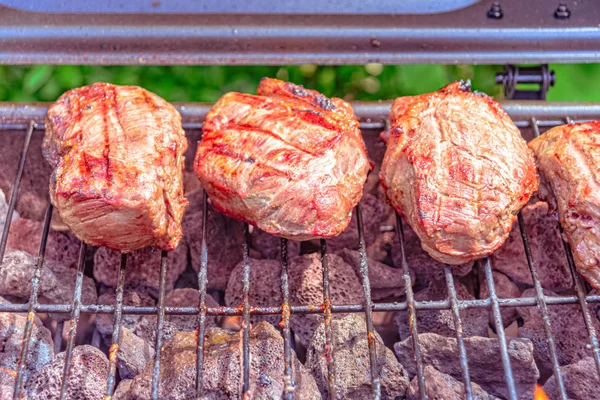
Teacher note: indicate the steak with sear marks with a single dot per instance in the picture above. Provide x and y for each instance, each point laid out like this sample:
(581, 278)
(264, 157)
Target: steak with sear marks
(289, 160)
(457, 169)
(568, 158)
(117, 154)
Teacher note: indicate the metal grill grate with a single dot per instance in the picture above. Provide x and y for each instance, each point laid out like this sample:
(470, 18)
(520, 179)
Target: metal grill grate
(531, 117)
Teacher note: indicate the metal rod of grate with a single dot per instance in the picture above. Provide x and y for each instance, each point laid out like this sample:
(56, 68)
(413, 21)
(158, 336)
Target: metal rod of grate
(493, 303)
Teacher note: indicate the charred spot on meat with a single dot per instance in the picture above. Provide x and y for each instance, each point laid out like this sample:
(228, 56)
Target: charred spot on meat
(568, 158)
(117, 154)
(288, 160)
(457, 169)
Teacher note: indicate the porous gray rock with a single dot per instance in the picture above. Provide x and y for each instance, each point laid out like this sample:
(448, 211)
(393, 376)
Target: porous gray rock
(570, 333)
(26, 235)
(133, 355)
(87, 377)
(474, 320)
(224, 238)
(4, 210)
(146, 328)
(131, 297)
(384, 280)
(33, 191)
(546, 248)
(41, 348)
(222, 375)
(57, 282)
(505, 288)
(305, 275)
(374, 214)
(306, 288)
(143, 267)
(353, 371)
(439, 386)
(426, 269)
(269, 246)
(483, 355)
(580, 380)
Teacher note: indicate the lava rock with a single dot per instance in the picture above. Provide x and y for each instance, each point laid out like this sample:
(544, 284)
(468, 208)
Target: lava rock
(265, 287)
(57, 282)
(443, 387)
(269, 246)
(580, 380)
(546, 248)
(122, 389)
(485, 364)
(222, 375)
(33, 191)
(131, 297)
(505, 288)
(374, 214)
(474, 320)
(384, 280)
(143, 267)
(4, 210)
(351, 357)
(41, 348)
(426, 269)
(306, 288)
(26, 235)
(87, 377)
(570, 333)
(146, 328)
(224, 238)
(133, 355)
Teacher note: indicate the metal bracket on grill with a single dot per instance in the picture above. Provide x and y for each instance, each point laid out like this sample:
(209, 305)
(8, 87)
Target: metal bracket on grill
(538, 75)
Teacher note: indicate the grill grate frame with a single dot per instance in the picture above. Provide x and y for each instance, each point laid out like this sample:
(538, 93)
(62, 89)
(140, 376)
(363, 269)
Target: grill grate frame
(493, 303)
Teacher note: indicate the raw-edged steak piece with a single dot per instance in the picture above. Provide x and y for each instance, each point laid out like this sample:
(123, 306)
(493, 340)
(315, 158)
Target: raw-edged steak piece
(288, 160)
(457, 169)
(117, 154)
(568, 158)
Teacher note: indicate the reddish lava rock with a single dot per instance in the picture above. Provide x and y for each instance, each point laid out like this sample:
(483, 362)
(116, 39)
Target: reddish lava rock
(222, 374)
(351, 352)
(41, 348)
(26, 235)
(143, 267)
(131, 297)
(580, 380)
(546, 247)
(483, 355)
(57, 283)
(570, 333)
(224, 241)
(87, 377)
(475, 320)
(505, 288)
(133, 355)
(443, 387)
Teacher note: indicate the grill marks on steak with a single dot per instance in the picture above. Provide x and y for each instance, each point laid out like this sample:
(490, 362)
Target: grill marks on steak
(568, 158)
(288, 160)
(117, 154)
(457, 168)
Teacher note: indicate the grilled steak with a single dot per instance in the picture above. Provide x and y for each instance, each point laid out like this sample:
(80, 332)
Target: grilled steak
(457, 169)
(289, 160)
(117, 154)
(568, 158)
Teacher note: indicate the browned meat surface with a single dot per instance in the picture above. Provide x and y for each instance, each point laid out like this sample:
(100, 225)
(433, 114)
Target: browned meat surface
(568, 158)
(117, 154)
(289, 160)
(457, 169)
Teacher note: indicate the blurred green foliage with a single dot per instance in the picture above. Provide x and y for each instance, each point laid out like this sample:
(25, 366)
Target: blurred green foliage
(575, 82)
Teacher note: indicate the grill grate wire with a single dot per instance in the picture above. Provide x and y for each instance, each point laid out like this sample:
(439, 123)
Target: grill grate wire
(493, 303)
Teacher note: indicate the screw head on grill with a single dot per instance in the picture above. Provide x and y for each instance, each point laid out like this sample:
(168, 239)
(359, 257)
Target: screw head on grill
(495, 11)
(562, 12)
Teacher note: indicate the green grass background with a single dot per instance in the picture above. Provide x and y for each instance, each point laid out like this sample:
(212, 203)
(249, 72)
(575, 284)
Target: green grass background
(574, 82)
